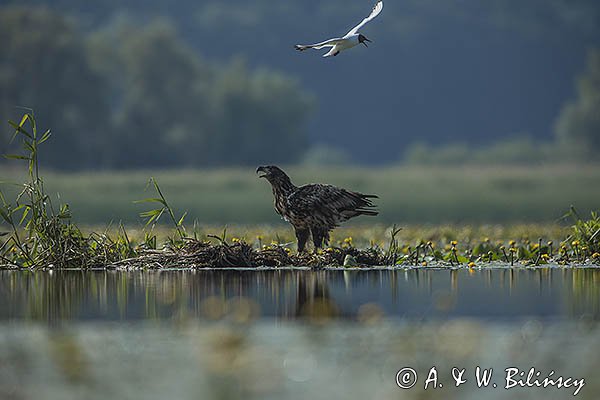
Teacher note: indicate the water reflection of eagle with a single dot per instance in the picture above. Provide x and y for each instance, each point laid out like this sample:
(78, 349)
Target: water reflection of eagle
(313, 298)
(315, 208)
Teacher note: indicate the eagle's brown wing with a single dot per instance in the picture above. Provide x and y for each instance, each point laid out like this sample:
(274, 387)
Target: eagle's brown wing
(329, 205)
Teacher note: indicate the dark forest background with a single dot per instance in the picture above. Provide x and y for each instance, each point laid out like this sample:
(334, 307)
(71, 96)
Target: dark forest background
(132, 84)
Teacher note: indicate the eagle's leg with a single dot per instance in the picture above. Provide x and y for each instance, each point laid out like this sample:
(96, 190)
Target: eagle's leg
(302, 236)
(320, 236)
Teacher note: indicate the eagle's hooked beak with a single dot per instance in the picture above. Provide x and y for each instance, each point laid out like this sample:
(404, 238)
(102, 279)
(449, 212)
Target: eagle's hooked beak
(263, 170)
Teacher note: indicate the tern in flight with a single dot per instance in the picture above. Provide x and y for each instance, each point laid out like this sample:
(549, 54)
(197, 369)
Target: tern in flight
(351, 39)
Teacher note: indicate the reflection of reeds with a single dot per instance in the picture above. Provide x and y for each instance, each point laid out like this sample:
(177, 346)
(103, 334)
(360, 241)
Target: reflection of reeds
(585, 296)
(317, 296)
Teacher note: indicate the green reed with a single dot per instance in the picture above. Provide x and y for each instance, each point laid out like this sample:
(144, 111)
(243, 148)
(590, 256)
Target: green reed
(41, 234)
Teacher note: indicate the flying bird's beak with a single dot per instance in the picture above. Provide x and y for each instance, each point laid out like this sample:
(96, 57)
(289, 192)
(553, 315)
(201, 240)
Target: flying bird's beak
(261, 169)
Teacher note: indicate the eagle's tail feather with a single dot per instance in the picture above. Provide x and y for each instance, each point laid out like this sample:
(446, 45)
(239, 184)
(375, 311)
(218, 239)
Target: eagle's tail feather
(367, 207)
(368, 212)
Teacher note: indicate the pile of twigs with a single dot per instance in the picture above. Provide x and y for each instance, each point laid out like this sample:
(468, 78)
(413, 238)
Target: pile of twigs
(203, 254)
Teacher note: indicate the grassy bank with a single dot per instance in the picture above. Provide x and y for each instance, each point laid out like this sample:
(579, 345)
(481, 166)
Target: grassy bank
(410, 194)
(39, 229)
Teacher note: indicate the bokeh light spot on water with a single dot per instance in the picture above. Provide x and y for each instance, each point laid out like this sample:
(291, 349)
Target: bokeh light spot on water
(213, 308)
(242, 309)
(370, 314)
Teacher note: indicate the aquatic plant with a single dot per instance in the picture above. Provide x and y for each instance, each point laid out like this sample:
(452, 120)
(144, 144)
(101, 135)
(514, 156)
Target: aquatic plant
(585, 235)
(153, 216)
(40, 234)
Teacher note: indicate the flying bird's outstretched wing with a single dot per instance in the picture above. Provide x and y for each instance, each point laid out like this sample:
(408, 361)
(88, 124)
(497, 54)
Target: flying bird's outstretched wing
(375, 12)
(318, 46)
(334, 51)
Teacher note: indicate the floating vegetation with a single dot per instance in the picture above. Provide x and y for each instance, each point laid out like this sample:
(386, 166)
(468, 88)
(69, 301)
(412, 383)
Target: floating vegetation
(41, 235)
(239, 254)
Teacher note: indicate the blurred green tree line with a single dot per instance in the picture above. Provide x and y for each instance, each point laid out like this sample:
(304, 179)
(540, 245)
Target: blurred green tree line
(578, 125)
(121, 88)
(126, 95)
(577, 134)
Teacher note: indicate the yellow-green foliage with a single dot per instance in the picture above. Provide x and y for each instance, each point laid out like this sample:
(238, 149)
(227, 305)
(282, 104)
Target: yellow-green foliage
(585, 234)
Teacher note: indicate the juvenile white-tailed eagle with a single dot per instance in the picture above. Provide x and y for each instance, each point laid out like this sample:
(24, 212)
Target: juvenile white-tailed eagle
(315, 208)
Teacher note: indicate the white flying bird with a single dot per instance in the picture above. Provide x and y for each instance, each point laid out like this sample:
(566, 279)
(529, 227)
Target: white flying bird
(351, 39)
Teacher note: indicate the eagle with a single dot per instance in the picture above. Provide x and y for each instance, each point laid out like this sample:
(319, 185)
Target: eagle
(314, 209)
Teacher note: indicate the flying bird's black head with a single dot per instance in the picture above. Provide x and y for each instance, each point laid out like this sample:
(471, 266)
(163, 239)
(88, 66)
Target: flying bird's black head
(363, 39)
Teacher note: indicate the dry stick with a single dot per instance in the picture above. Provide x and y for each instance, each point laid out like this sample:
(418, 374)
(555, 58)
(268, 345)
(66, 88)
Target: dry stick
(539, 249)
(417, 254)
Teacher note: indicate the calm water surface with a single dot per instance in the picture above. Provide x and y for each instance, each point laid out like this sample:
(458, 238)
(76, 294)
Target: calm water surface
(291, 294)
(294, 334)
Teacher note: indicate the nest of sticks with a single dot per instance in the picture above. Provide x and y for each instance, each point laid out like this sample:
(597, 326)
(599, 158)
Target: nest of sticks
(204, 254)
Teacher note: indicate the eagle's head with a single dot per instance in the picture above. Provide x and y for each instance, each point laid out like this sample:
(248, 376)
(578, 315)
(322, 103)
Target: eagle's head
(272, 173)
